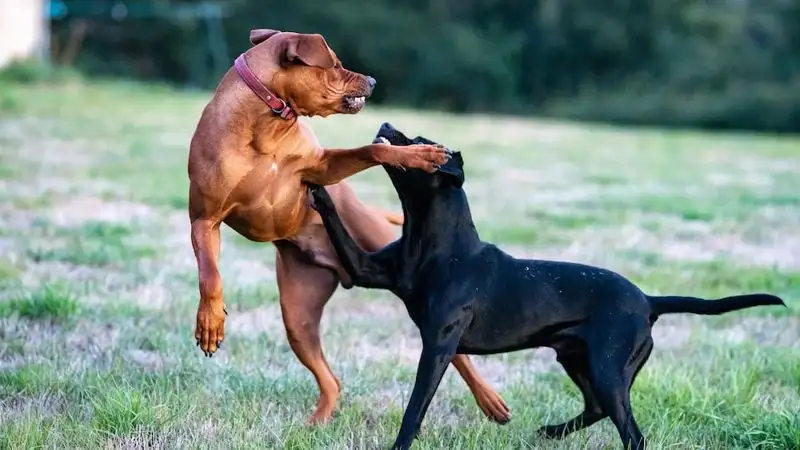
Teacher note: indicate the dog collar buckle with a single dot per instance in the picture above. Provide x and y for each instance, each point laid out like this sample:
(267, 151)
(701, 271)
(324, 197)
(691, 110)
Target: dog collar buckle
(275, 104)
(284, 111)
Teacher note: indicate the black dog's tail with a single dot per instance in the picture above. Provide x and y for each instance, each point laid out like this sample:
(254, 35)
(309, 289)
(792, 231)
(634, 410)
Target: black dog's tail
(676, 304)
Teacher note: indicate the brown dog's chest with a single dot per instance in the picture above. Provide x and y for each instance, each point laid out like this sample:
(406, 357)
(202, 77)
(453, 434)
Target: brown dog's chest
(269, 203)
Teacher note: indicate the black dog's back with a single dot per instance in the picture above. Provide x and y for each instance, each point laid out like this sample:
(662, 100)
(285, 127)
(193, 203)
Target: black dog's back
(575, 291)
(524, 303)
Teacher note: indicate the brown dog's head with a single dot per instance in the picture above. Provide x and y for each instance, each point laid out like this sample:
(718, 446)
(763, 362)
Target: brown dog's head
(305, 72)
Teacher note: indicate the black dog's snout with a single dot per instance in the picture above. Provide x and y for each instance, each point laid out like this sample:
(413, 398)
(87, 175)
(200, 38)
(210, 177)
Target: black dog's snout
(371, 81)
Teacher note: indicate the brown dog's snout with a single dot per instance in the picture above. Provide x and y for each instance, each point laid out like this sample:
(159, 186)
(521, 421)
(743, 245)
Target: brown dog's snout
(368, 84)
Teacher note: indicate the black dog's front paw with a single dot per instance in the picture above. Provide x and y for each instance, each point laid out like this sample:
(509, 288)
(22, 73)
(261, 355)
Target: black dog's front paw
(319, 199)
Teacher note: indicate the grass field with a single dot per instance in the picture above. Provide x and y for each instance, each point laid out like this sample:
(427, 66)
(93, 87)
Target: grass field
(99, 288)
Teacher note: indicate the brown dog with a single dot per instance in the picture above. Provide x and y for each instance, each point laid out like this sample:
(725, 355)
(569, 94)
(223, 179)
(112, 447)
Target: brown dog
(248, 160)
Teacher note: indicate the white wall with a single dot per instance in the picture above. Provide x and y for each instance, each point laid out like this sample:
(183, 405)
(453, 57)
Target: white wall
(22, 29)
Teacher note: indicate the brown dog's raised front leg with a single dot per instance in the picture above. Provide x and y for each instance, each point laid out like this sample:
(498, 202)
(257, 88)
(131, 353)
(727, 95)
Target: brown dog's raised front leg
(488, 399)
(333, 166)
(210, 327)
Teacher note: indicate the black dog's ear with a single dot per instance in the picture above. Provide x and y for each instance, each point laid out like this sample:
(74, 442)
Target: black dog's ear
(454, 169)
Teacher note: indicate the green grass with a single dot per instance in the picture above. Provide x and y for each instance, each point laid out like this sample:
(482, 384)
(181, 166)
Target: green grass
(49, 302)
(98, 284)
(91, 244)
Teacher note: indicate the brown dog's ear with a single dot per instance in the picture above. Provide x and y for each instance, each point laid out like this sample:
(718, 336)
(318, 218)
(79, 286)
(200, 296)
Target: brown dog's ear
(260, 35)
(309, 49)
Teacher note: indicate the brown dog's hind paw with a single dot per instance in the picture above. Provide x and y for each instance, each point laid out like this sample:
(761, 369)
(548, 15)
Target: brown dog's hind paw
(494, 407)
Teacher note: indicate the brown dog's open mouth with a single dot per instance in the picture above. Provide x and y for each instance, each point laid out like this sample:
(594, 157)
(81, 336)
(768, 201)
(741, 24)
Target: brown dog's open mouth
(355, 103)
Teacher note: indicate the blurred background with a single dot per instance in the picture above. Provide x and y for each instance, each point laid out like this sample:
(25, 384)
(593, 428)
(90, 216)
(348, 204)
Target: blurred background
(98, 280)
(723, 64)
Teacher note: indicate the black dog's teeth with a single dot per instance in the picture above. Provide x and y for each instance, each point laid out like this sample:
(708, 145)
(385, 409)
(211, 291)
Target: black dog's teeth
(448, 151)
(437, 167)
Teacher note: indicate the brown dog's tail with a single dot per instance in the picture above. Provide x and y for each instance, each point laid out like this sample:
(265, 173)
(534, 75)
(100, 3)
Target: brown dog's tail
(394, 218)
(676, 304)
(391, 217)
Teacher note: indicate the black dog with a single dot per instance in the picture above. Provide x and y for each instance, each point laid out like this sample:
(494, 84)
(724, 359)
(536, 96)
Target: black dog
(468, 296)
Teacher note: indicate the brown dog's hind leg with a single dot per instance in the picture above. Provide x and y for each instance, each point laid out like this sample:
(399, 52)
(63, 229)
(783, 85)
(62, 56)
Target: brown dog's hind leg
(488, 399)
(304, 289)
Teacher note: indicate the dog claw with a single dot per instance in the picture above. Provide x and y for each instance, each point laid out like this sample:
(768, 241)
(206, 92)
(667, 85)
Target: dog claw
(225, 310)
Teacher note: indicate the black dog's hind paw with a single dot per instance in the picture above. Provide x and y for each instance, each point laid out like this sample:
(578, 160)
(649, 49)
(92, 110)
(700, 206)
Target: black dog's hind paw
(319, 199)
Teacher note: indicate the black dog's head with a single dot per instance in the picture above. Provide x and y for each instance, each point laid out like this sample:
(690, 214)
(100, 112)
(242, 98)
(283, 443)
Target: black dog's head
(417, 182)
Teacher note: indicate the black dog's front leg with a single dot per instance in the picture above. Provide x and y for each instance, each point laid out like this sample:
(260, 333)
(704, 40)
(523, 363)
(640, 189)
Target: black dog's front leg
(437, 353)
(367, 270)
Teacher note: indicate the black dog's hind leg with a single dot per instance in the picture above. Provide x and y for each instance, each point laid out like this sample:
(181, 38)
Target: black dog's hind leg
(437, 353)
(577, 367)
(616, 354)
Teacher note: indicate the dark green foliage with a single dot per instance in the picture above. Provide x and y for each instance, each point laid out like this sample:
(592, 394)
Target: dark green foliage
(705, 63)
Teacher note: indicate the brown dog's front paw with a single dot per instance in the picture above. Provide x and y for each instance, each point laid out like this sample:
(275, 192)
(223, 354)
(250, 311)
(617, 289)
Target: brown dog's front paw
(209, 331)
(427, 157)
